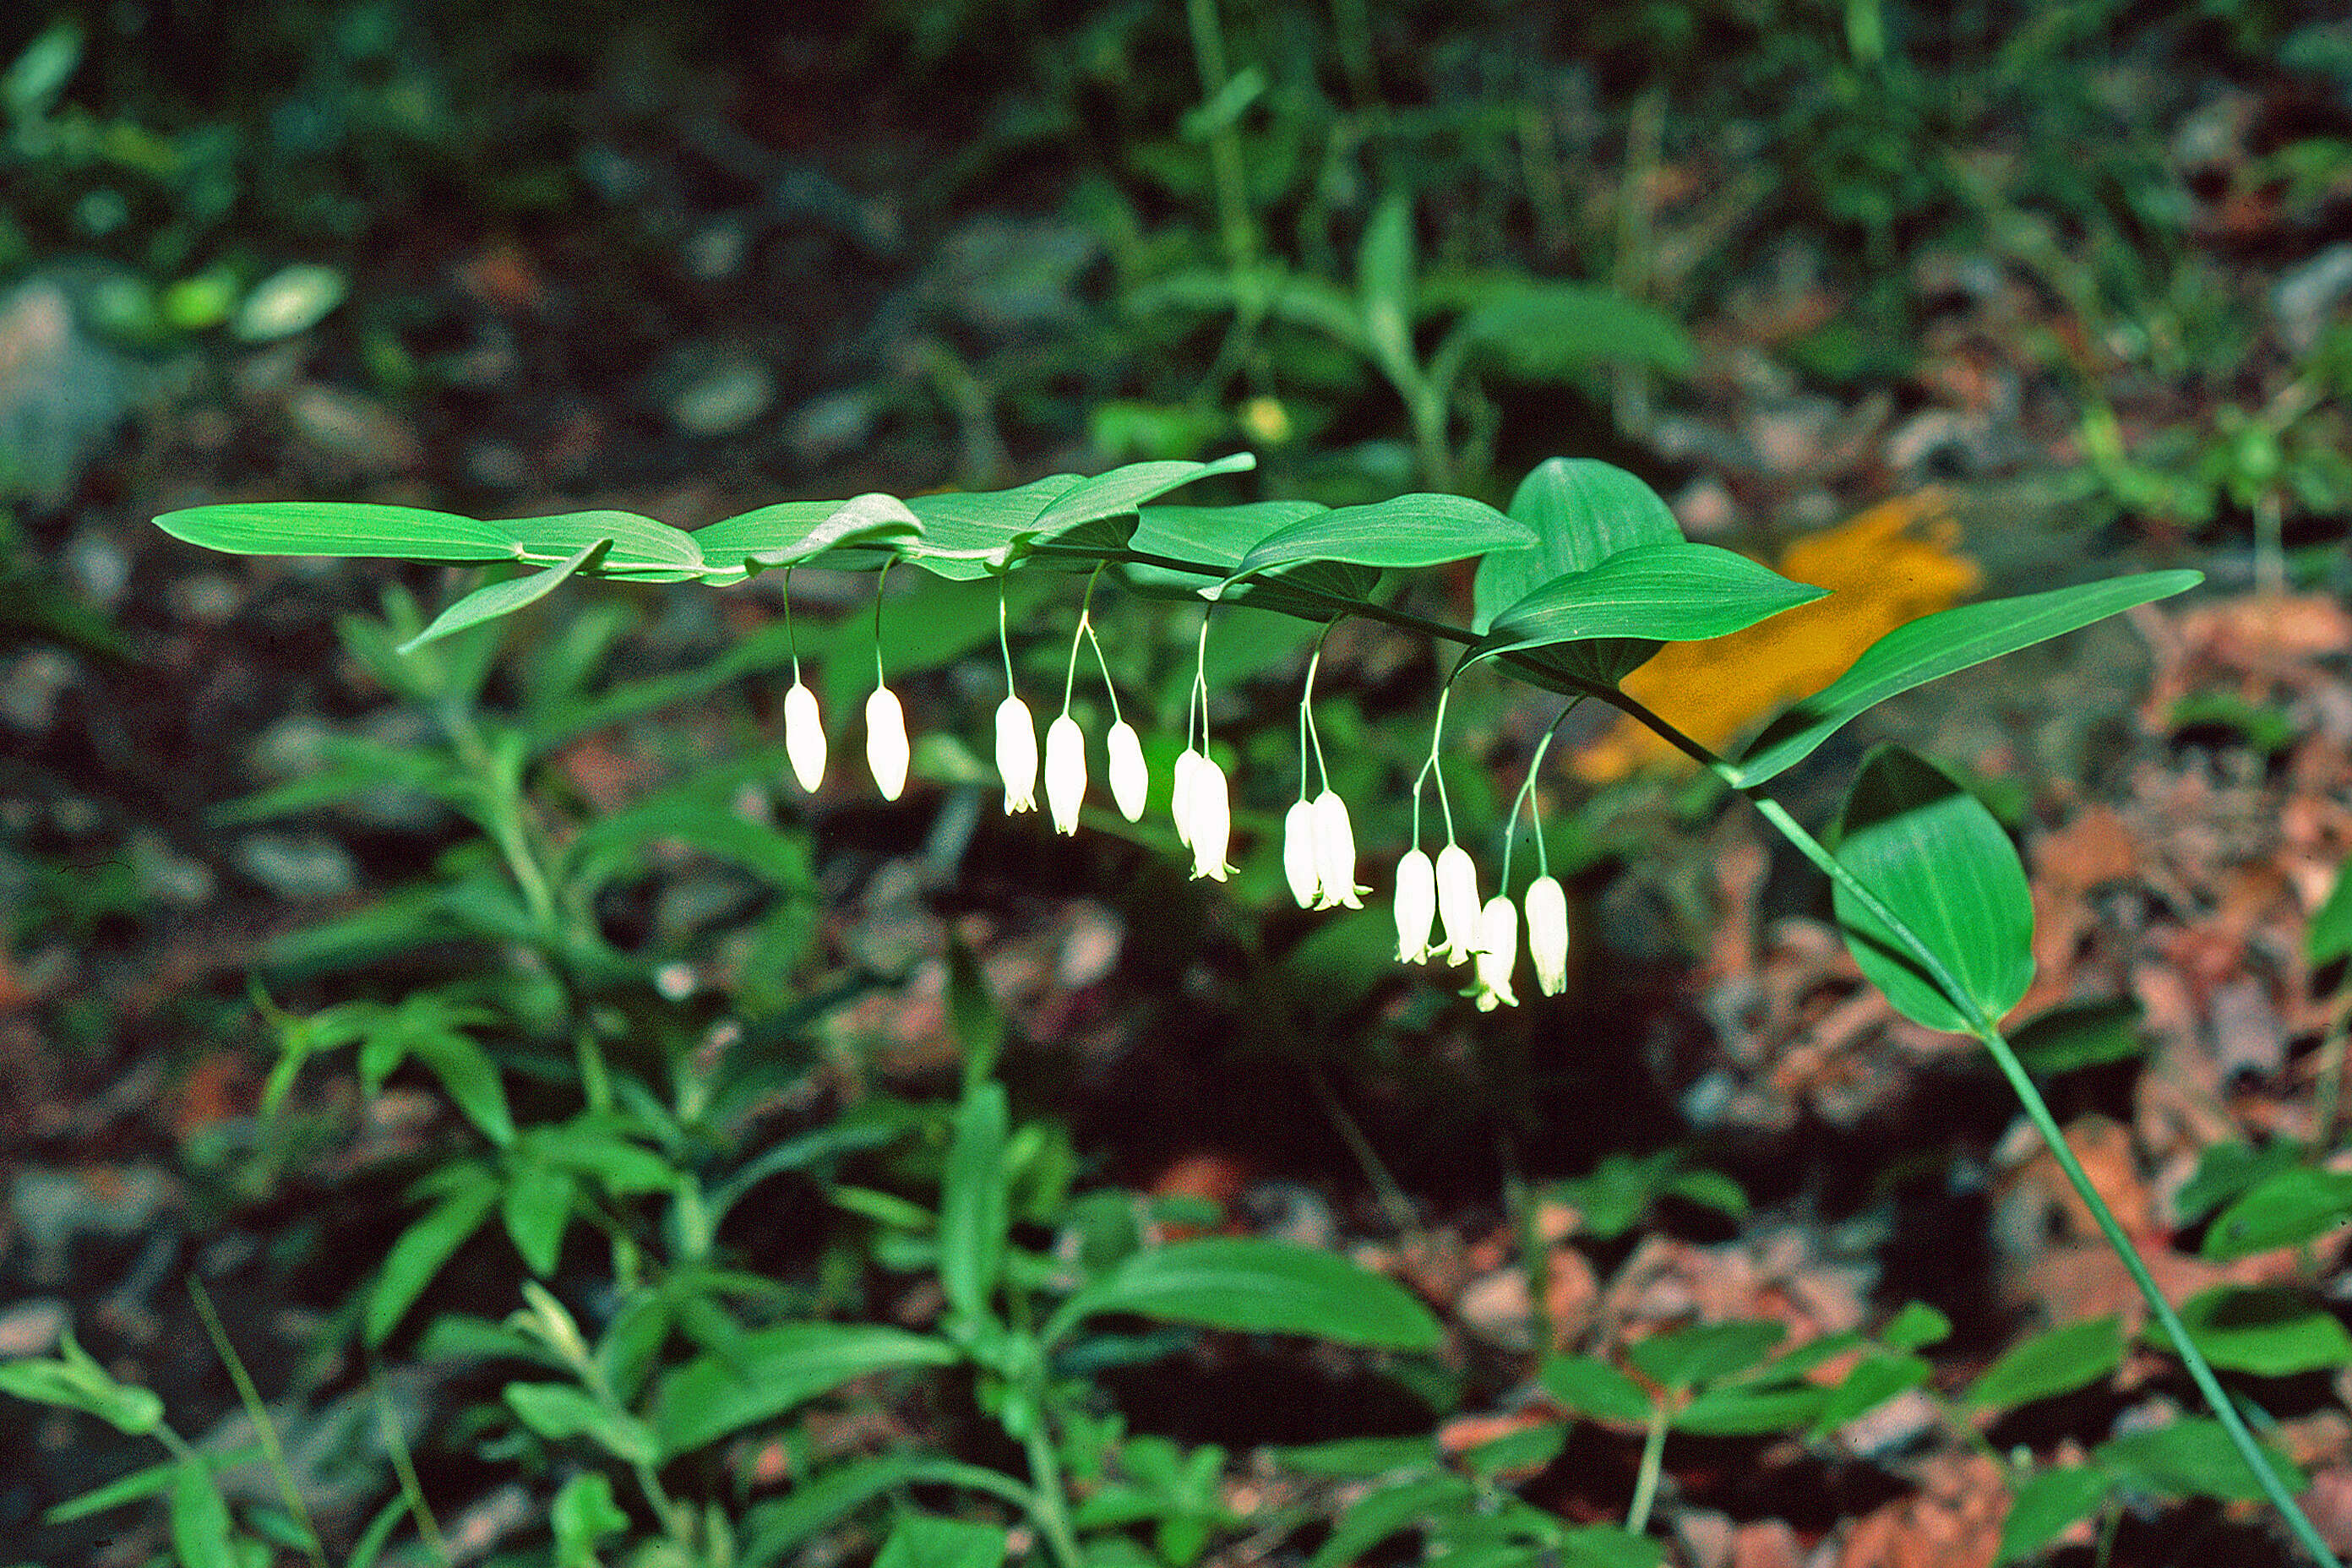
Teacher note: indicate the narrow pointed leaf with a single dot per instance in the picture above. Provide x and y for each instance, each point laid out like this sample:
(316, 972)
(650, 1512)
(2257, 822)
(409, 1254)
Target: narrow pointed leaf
(1384, 274)
(1123, 490)
(491, 600)
(1936, 645)
(1932, 853)
(767, 1372)
(975, 1206)
(1257, 1287)
(1675, 593)
(772, 1530)
(201, 1527)
(421, 1251)
(1554, 330)
(1404, 532)
(641, 549)
(339, 528)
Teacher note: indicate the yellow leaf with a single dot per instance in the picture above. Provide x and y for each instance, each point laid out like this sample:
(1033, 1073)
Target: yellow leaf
(1895, 563)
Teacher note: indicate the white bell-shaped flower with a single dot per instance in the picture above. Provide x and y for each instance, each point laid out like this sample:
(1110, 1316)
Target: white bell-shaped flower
(1298, 853)
(1065, 772)
(1547, 904)
(1457, 903)
(1335, 852)
(1131, 780)
(1211, 820)
(886, 742)
(805, 736)
(1498, 953)
(1017, 755)
(1180, 800)
(1416, 905)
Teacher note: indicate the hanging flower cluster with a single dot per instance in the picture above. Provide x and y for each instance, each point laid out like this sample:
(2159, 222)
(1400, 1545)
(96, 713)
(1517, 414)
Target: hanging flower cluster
(1438, 910)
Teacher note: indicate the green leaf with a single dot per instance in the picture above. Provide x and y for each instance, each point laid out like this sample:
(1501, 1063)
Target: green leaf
(1382, 1514)
(370, 1545)
(2230, 1169)
(1257, 1287)
(2330, 935)
(200, 1523)
(1358, 1457)
(926, 1541)
(968, 536)
(1671, 592)
(1528, 1449)
(1741, 1410)
(2267, 1332)
(1934, 857)
(537, 1206)
(2191, 1456)
(1686, 1358)
(975, 1204)
(491, 600)
(1582, 511)
(1384, 279)
(1591, 1387)
(642, 549)
(74, 1380)
(560, 1410)
(466, 1071)
(340, 528)
(1606, 1546)
(1214, 536)
(2080, 1034)
(584, 1513)
(1936, 645)
(790, 532)
(1872, 1382)
(2047, 1505)
(422, 1248)
(774, 1529)
(128, 1489)
(1915, 1327)
(2287, 1210)
(1557, 331)
(2056, 1361)
(769, 1370)
(1401, 534)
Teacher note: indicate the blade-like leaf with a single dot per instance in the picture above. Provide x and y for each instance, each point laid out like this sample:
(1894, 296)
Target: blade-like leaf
(1677, 593)
(1936, 645)
(201, 1528)
(1257, 1287)
(2046, 1504)
(1934, 857)
(1123, 491)
(1556, 330)
(975, 1204)
(772, 1530)
(491, 600)
(2269, 1333)
(339, 528)
(1403, 532)
(642, 550)
(2059, 1361)
(1686, 1358)
(421, 1251)
(1384, 269)
(767, 1372)
(790, 532)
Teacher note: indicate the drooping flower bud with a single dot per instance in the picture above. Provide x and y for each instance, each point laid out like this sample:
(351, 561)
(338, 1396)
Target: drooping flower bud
(1179, 801)
(1457, 903)
(1017, 755)
(1065, 772)
(1335, 852)
(1130, 779)
(1211, 820)
(1416, 905)
(805, 737)
(886, 742)
(1298, 853)
(1498, 953)
(1547, 933)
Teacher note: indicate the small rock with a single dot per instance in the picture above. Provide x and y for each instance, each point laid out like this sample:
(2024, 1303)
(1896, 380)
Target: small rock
(30, 688)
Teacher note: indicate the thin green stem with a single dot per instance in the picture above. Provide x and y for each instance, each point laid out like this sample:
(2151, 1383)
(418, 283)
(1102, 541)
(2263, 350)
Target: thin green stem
(1233, 221)
(1050, 1507)
(791, 637)
(880, 582)
(1646, 1480)
(1004, 640)
(264, 1428)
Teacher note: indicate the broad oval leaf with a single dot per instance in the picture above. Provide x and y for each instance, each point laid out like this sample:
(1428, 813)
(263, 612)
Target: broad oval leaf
(1556, 332)
(2285, 1209)
(1936, 645)
(1582, 511)
(339, 528)
(1257, 1287)
(2191, 1456)
(2046, 1504)
(1740, 1410)
(767, 1372)
(1591, 1387)
(1403, 532)
(1686, 1358)
(2267, 1332)
(1674, 593)
(1931, 852)
(790, 532)
(2059, 1361)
